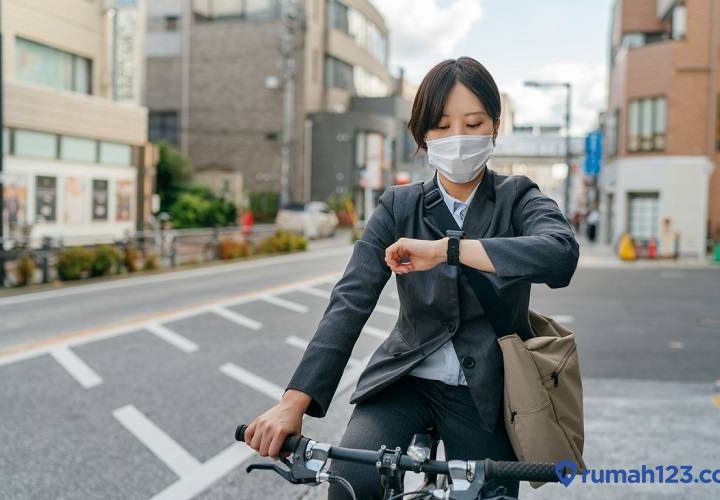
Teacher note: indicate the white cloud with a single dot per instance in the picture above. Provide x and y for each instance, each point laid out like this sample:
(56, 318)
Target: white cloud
(422, 32)
(547, 106)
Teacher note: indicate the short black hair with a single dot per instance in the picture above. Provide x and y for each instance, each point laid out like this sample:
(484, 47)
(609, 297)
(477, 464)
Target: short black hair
(430, 99)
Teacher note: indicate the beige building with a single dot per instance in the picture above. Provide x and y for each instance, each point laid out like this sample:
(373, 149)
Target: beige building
(74, 130)
(662, 122)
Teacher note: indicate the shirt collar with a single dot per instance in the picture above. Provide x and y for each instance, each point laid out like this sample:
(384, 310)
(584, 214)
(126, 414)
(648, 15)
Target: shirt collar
(453, 203)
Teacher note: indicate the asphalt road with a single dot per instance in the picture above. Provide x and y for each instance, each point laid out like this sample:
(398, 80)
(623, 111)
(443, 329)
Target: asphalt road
(133, 388)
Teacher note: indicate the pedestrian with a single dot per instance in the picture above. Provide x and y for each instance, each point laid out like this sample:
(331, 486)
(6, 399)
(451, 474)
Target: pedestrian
(592, 221)
(441, 365)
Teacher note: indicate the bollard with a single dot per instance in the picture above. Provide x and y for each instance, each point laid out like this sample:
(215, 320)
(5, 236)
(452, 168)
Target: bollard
(46, 246)
(173, 249)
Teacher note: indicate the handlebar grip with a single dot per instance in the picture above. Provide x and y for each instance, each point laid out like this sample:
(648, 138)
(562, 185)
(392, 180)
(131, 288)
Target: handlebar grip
(290, 445)
(523, 471)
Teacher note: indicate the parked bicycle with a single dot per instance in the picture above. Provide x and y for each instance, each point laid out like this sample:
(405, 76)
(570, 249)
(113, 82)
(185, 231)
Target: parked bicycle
(307, 463)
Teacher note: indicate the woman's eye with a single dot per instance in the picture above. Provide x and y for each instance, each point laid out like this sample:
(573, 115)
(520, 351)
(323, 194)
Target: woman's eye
(471, 125)
(443, 128)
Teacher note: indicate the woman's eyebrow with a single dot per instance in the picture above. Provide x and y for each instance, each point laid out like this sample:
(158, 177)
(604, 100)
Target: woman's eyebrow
(471, 113)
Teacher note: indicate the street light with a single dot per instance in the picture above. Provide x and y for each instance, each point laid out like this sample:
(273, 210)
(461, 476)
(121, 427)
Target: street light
(568, 156)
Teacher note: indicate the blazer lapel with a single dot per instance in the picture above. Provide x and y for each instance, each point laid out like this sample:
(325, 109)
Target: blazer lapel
(482, 206)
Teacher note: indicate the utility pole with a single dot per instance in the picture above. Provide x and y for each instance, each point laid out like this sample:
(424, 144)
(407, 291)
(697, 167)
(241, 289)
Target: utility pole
(2, 164)
(289, 17)
(568, 154)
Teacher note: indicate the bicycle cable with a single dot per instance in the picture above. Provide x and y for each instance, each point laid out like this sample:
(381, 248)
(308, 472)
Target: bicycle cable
(345, 483)
(417, 493)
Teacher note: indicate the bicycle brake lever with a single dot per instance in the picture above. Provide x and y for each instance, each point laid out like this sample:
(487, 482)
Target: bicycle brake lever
(286, 474)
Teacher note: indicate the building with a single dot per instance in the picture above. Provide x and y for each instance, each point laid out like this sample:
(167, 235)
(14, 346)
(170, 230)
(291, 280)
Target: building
(222, 103)
(661, 129)
(74, 133)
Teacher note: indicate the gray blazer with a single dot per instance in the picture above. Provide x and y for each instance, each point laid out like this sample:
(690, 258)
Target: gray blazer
(528, 241)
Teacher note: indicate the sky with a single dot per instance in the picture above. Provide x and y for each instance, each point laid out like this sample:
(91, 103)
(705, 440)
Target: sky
(516, 40)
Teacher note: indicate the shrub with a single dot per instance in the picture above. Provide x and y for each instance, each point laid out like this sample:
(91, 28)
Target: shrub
(104, 260)
(281, 241)
(232, 249)
(25, 270)
(74, 263)
(151, 262)
(130, 258)
(264, 205)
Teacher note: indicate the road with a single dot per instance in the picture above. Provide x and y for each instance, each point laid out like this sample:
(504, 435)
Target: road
(133, 388)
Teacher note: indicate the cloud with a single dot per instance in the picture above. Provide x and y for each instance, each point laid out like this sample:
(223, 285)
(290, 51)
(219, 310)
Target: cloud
(547, 106)
(422, 33)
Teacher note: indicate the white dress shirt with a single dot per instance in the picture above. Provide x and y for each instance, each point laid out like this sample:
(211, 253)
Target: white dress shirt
(443, 364)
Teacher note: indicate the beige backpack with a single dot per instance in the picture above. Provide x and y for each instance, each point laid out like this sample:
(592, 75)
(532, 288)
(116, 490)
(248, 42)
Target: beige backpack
(543, 403)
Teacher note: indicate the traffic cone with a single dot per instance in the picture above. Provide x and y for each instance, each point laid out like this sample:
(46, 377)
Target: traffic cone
(627, 249)
(652, 248)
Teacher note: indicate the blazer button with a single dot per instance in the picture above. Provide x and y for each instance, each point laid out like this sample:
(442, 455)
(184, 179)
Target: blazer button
(468, 362)
(451, 325)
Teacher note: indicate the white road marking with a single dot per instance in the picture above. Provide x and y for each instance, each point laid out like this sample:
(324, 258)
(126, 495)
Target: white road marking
(317, 292)
(287, 304)
(76, 367)
(253, 381)
(237, 318)
(176, 275)
(392, 311)
(156, 440)
(675, 344)
(563, 318)
(302, 345)
(171, 337)
(375, 332)
(135, 326)
(197, 480)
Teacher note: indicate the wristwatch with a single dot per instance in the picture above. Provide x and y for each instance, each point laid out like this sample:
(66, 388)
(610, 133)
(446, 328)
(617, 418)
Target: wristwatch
(453, 249)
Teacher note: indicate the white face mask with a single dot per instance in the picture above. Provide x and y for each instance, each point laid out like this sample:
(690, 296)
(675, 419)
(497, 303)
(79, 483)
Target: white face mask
(460, 157)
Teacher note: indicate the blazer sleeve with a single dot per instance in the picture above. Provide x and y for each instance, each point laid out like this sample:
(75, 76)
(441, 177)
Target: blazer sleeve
(352, 300)
(545, 251)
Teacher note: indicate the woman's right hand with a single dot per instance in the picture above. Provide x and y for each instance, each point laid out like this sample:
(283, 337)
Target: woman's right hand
(266, 434)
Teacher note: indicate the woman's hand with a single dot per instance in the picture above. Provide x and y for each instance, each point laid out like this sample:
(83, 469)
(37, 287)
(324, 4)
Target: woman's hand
(266, 434)
(408, 254)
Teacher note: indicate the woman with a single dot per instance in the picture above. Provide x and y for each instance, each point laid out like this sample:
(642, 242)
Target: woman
(441, 365)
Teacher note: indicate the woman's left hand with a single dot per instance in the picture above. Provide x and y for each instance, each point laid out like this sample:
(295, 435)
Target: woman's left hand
(408, 254)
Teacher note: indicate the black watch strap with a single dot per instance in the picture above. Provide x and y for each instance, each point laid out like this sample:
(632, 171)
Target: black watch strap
(453, 249)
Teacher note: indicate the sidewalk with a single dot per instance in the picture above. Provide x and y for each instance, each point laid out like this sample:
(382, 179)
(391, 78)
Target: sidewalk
(600, 254)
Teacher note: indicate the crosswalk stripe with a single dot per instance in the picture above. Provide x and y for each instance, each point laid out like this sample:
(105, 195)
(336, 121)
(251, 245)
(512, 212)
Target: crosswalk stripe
(375, 332)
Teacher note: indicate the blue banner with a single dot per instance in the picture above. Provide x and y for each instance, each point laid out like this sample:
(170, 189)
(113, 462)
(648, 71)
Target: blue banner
(593, 152)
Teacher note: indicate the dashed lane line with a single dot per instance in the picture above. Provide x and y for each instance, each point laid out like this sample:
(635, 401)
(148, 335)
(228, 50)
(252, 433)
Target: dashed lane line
(238, 318)
(287, 304)
(171, 337)
(179, 460)
(76, 367)
(253, 381)
(80, 337)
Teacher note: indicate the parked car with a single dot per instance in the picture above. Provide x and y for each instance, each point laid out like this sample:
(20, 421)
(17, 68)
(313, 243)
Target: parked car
(313, 219)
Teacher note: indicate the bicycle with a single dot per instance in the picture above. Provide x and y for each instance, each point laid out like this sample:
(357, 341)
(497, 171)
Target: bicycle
(307, 464)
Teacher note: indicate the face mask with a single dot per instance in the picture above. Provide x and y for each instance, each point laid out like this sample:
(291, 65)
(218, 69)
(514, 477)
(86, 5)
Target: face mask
(460, 157)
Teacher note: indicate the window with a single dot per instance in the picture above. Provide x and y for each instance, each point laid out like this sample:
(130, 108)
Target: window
(163, 126)
(612, 132)
(337, 16)
(38, 63)
(6, 141)
(78, 149)
(39, 144)
(208, 10)
(643, 215)
(172, 23)
(99, 199)
(646, 124)
(115, 154)
(338, 74)
(363, 31)
(45, 198)
(367, 84)
(262, 9)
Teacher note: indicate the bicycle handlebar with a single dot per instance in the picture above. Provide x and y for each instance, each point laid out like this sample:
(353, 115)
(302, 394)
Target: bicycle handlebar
(494, 469)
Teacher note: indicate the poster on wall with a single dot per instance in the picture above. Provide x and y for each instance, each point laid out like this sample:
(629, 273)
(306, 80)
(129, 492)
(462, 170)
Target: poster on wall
(124, 197)
(45, 198)
(373, 160)
(75, 201)
(14, 201)
(99, 199)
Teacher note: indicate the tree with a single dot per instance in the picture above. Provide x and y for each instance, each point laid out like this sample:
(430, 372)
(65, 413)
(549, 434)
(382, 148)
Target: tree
(173, 175)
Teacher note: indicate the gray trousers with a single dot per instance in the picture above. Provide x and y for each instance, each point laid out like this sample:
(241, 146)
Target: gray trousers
(411, 406)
